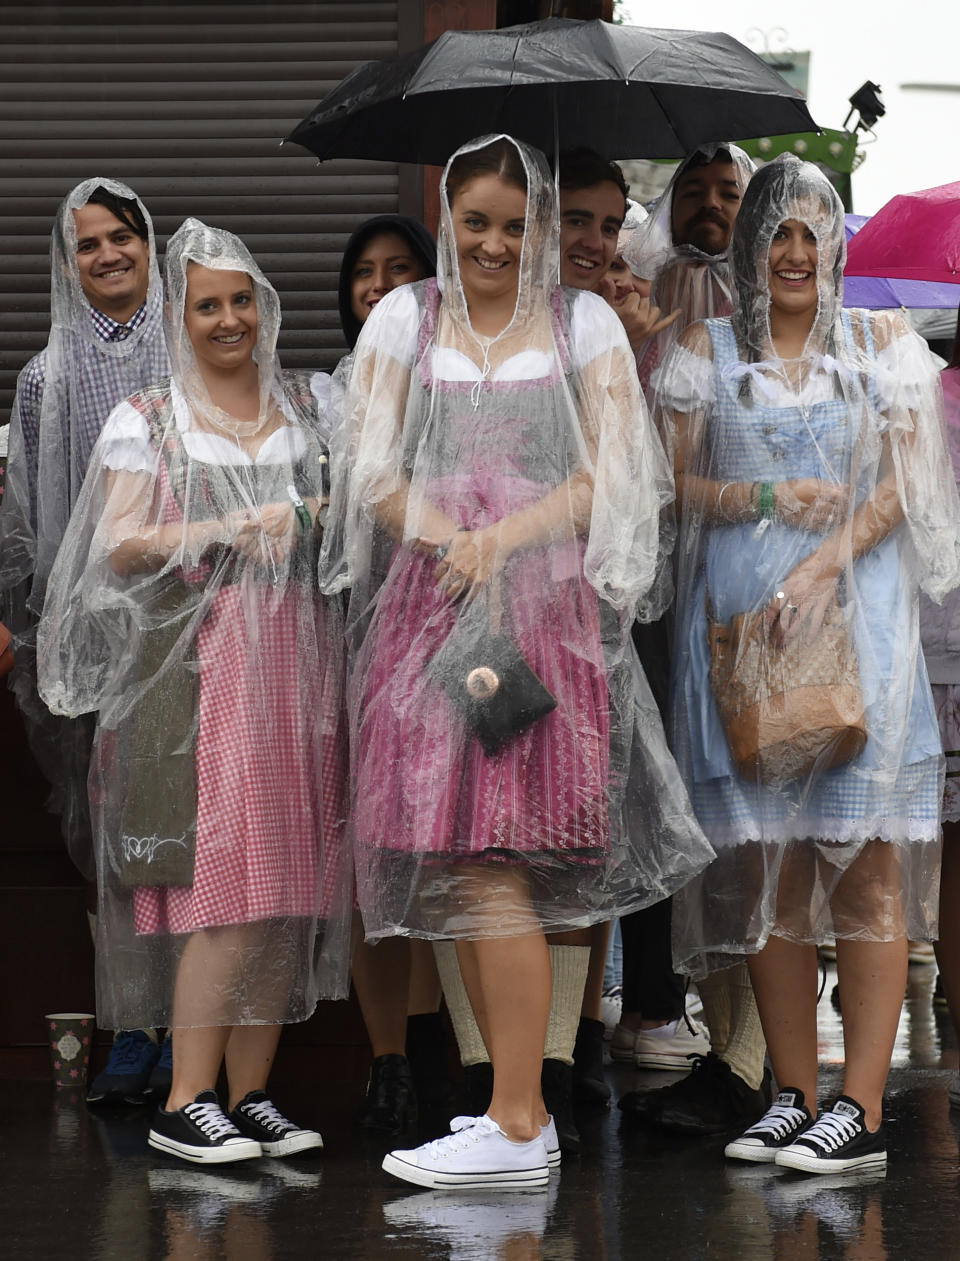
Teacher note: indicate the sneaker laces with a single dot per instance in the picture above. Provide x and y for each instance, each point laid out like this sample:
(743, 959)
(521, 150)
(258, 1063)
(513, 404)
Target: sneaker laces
(464, 1132)
(779, 1120)
(209, 1118)
(831, 1130)
(267, 1114)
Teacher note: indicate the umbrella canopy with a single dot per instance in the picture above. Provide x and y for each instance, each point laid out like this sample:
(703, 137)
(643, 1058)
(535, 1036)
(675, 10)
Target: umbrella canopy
(916, 236)
(887, 292)
(626, 91)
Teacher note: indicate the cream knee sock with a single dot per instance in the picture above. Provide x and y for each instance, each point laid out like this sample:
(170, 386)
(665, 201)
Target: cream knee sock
(569, 964)
(469, 1040)
(746, 1046)
(714, 991)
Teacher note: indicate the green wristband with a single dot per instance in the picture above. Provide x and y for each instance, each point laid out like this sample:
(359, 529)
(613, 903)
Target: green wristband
(766, 507)
(301, 511)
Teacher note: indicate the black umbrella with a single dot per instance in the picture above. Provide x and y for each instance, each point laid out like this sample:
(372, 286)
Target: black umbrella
(627, 91)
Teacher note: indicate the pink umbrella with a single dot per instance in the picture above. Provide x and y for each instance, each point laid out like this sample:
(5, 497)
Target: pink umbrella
(916, 236)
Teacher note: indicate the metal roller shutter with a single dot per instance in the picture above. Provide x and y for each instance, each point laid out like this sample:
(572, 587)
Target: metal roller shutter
(186, 101)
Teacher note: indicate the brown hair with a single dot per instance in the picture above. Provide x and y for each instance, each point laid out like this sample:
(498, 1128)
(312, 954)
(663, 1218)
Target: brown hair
(585, 168)
(500, 158)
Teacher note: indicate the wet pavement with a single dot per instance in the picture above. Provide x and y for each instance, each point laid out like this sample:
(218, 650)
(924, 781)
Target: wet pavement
(82, 1183)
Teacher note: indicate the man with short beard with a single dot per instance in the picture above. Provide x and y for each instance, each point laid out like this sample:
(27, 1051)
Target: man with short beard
(106, 342)
(683, 246)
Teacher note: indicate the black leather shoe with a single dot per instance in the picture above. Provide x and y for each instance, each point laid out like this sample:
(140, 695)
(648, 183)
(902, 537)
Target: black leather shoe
(556, 1082)
(390, 1103)
(589, 1083)
(713, 1099)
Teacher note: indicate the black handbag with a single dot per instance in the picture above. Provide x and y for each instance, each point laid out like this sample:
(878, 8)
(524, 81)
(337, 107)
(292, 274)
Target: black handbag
(490, 683)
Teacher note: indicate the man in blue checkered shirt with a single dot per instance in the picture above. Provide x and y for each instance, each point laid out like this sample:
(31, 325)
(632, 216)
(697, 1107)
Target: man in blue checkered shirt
(106, 342)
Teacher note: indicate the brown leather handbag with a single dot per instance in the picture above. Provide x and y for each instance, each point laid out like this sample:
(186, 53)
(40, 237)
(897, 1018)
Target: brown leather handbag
(6, 652)
(788, 710)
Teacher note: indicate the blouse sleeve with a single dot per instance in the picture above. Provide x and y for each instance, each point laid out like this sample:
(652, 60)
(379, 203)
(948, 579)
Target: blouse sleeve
(631, 534)
(392, 327)
(592, 332)
(125, 442)
(685, 381)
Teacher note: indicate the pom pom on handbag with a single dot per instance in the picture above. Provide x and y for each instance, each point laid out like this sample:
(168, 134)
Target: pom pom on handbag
(786, 710)
(491, 684)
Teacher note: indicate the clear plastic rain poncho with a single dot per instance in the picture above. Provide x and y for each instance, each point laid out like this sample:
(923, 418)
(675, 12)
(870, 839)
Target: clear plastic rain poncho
(536, 443)
(813, 489)
(682, 275)
(64, 395)
(184, 608)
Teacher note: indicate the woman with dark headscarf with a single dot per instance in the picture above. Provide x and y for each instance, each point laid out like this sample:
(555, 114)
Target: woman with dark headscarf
(817, 499)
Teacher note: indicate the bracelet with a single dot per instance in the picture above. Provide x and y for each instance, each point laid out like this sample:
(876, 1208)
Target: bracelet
(301, 511)
(723, 490)
(766, 507)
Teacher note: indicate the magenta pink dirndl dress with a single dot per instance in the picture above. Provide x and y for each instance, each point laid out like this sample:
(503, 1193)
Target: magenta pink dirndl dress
(423, 784)
(270, 763)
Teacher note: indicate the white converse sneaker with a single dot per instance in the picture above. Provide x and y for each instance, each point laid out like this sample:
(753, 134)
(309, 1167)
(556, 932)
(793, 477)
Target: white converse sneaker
(622, 1042)
(476, 1154)
(670, 1046)
(611, 1006)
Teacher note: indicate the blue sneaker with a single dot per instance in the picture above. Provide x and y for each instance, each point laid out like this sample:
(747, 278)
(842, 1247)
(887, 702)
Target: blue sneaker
(162, 1075)
(127, 1072)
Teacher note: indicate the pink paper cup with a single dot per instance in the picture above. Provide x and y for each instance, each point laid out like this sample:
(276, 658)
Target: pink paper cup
(71, 1036)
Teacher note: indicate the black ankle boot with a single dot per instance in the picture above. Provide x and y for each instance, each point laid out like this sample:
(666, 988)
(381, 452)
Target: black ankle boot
(556, 1082)
(589, 1084)
(390, 1103)
(428, 1054)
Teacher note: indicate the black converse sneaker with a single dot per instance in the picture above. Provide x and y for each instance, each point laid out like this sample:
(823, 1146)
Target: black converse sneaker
(783, 1122)
(200, 1132)
(258, 1118)
(836, 1142)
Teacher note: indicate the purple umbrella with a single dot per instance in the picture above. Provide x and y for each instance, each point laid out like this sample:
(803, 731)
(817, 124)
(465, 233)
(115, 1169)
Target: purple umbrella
(885, 293)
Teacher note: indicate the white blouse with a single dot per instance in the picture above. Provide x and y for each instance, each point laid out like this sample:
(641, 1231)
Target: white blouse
(394, 325)
(900, 370)
(126, 445)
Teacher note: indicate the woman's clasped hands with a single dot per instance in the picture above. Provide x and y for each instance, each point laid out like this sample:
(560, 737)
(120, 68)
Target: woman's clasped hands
(466, 561)
(809, 503)
(269, 533)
